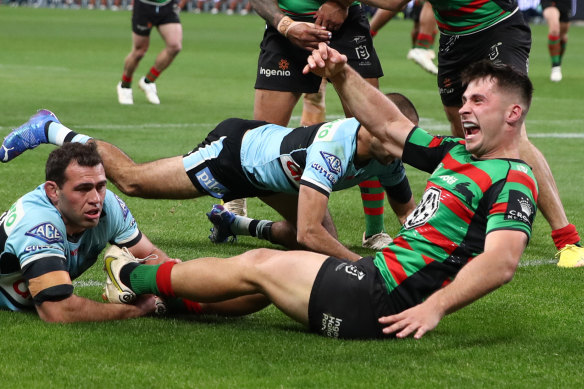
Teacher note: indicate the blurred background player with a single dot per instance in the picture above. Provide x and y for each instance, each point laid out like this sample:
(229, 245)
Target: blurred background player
(423, 33)
(557, 15)
(290, 32)
(163, 14)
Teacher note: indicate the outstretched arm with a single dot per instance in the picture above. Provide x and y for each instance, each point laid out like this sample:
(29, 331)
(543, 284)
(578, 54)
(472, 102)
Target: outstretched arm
(370, 106)
(311, 233)
(485, 273)
(301, 34)
(76, 309)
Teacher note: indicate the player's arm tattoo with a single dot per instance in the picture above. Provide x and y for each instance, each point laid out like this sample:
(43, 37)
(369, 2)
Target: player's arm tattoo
(268, 10)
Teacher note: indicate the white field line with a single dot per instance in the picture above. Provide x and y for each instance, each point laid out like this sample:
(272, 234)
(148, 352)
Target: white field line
(434, 126)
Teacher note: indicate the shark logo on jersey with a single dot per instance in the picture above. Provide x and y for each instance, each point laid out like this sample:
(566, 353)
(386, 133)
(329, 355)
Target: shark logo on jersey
(333, 162)
(47, 232)
(125, 209)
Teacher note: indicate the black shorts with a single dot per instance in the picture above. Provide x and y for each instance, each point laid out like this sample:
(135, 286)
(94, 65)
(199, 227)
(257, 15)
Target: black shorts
(145, 16)
(214, 166)
(280, 62)
(347, 298)
(507, 42)
(564, 6)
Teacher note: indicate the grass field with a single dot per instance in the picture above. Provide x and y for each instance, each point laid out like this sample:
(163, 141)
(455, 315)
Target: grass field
(527, 334)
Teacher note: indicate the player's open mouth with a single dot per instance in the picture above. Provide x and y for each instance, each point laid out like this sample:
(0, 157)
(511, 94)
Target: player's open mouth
(470, 128)
(93, 214)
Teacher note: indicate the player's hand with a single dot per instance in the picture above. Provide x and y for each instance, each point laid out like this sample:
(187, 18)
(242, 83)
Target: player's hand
(146, 304)
(417, 320)
(308, 35)
(325, 62)
(331, 15)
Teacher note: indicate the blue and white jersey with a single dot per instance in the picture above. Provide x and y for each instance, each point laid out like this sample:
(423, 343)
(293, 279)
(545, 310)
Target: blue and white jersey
(322, 156)
(33, 234)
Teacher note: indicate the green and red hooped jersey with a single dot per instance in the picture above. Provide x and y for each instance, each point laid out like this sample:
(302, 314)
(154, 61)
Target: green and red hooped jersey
(459, 17)
(302, 9)
(465, 199)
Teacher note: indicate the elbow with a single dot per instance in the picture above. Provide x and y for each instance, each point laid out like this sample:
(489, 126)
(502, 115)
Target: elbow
(306, 237)
(508, 271)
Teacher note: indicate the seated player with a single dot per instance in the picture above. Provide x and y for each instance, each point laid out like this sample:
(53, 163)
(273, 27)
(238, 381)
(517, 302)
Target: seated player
(464, 240)
(291, 170)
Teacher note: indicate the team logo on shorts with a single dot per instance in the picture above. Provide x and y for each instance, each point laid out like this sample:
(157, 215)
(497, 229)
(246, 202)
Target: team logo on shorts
(362, 52)
(333, 162)
(47, 232)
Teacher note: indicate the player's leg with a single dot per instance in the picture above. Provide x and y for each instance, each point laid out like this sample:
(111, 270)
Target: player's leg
(314, 106)
(140, 45)
(274, 106)
(285, 277)
(161, 179)
(226, 224)
(423, 53)
(552, 17)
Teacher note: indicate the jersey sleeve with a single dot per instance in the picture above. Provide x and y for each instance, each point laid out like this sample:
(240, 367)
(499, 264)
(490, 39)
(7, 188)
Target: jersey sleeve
(36, 246)
(326, 158)
(515, 206)
(425, 151)
(123, 227)
(393, 174)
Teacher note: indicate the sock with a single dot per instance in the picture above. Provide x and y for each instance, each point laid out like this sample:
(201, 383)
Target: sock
(424, 41)
(252, 227)
(140, 278)
(563, 44)
(58, 134)
(126, 81)
(152, 75)
(565, 235)
(372, 196)
(555, 48)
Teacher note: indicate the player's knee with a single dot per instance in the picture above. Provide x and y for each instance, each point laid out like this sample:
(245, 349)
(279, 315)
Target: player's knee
(174, 48)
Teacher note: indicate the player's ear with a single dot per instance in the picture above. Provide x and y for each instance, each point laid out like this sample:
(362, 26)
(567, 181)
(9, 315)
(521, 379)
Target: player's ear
(51, 189)
(515, 113)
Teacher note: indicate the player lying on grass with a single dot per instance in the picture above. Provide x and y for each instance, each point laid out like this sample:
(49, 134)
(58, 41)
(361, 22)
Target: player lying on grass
(464, 239)
(291, 170)
(53, 234)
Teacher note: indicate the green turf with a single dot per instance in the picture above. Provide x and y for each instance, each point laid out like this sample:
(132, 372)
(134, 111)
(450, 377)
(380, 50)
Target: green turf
(527, 334)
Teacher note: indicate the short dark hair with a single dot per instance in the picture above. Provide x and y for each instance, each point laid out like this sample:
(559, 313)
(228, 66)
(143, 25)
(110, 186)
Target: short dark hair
(60, 158)
(507, 78)
(405, 106)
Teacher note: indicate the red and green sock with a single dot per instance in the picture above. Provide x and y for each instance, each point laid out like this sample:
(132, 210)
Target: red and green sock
(555, 49)
(126, 81)
(373, 197)
(152, 75)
